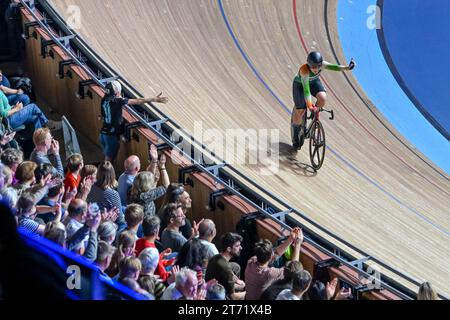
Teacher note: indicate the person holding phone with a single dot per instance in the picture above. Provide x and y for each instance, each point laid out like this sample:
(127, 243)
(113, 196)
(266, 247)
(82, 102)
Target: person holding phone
(46, 150)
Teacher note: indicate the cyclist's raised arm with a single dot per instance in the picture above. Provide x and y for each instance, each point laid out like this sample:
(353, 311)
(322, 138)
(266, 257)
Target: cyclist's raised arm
(334, 67)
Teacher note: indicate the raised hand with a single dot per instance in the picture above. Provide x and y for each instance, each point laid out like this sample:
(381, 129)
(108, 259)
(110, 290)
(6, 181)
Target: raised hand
(71, 194)
(344, 294)
(113, 214)
(53, 182)
(175, 270)
(86, 185)
(7, 138)
(195, 227)
(300, 236)
(166, 252)
(162, 161)
(153, 152)
(95, 222)
(352, 64)
(129, 252)
(45, 180)
(201, 294)
(159, 98)
(331, 288)
(210, 283)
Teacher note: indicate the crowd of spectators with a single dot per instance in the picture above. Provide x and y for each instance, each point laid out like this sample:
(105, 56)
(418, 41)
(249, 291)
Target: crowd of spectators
(154, 250)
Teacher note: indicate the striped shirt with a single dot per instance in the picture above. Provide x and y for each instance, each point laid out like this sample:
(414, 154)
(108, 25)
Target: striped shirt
(28, 224)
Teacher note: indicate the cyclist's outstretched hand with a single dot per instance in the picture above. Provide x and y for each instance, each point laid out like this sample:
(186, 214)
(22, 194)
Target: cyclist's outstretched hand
(352, 64)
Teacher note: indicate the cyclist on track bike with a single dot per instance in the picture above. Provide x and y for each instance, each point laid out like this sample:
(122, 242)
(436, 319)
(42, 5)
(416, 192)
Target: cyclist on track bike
(307, 84)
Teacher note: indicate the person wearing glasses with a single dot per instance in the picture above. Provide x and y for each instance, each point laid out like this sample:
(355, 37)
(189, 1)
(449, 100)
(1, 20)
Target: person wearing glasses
(306, 85)
(177, 194)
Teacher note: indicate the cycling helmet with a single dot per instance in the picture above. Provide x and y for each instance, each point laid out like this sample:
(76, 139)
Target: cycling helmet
(315, 59)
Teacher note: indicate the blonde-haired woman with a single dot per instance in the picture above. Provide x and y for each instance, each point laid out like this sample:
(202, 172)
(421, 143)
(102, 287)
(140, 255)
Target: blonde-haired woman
(144, 190)
(426, 292)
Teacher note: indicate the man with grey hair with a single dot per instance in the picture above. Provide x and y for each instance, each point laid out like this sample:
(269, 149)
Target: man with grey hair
(216, 292)
(113, 123)
(207, 232)
(132, 166)
(12, 157)
(107, 232)
(149, 258)
(9, 195)
(184, 287)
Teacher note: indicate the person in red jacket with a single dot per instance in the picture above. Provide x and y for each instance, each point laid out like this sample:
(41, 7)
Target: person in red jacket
(74, 166)
(150, 228)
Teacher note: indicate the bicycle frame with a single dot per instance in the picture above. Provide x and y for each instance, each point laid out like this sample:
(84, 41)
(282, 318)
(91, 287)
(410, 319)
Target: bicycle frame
(315, 117)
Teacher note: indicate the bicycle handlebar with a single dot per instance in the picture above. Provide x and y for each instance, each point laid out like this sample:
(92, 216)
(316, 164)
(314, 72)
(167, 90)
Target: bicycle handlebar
(331, 112)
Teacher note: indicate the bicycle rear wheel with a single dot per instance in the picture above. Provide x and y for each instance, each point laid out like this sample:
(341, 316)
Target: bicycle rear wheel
(317, 145)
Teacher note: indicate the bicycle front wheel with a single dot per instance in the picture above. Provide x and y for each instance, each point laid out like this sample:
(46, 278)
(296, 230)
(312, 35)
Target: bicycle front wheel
(317, 145)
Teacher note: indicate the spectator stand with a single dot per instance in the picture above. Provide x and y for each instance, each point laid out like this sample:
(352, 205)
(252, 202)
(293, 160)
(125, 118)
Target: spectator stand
(209, 182)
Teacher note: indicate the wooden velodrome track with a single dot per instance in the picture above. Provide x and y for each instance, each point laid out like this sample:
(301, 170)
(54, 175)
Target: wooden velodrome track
(230, 65)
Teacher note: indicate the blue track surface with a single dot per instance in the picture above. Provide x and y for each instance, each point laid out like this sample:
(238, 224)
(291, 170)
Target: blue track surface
(257, 74)
(360, 40)
(417, 40)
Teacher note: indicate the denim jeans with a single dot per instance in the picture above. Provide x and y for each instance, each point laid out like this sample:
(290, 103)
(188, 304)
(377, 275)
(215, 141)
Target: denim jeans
(14, 98)
(31, 114)
(110, 145)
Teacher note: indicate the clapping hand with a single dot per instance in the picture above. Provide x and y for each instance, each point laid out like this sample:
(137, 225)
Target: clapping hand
(71, 194)
(7, 138)
(331, 288)
(201, 294)
(129, 252)
(86, 185)
(166, 252)
(344, 294)
(174, 271)
(110, 215)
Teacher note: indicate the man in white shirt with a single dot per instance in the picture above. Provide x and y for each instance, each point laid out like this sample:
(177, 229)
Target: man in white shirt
(300, 284)
(207, 232)
(184, 287)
